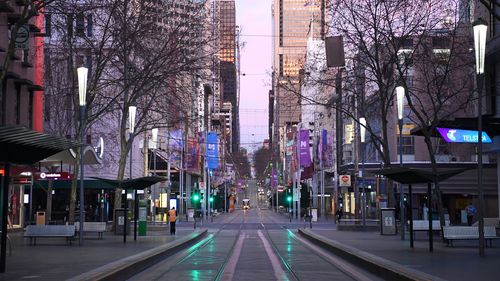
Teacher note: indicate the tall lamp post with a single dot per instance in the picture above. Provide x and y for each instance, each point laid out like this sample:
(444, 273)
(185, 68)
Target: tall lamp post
(400, 94)
(480, 27)
(154, 139)
(82, 94)
(362, 134)
(131, 126)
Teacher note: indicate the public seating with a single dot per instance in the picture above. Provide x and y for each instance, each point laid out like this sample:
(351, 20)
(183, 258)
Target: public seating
(34, 231)
(423, 225)
(489, 222)
(452, 233)
(92, 226)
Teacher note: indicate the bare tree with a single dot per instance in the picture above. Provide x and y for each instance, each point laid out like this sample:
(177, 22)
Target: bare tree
(441, 86)
(143, 54)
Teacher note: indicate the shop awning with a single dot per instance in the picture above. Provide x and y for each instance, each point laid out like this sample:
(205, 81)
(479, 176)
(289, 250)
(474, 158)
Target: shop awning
(68, 156)
(20, 145)
(406, 175)
(138, 183)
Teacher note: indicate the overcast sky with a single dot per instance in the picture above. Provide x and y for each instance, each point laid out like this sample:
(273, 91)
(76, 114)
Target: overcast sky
(254, 19)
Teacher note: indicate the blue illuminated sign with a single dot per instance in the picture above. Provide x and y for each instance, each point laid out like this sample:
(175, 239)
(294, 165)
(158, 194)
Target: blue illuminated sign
(463, 136)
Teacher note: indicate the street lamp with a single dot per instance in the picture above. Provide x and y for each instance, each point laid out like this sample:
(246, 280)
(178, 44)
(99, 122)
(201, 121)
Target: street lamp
(400, 94)
(480, 27)
(82, 94)
(362, 134)
(131, 124)
(154, 139)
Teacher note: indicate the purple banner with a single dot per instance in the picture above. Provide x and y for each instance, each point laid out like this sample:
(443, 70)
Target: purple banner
(305, 153)
(275, 178)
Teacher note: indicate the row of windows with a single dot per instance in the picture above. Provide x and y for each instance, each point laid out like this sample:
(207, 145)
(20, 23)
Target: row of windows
(75, 24)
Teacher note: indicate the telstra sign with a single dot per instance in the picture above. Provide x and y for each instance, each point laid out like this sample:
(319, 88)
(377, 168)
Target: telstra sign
(464, 136)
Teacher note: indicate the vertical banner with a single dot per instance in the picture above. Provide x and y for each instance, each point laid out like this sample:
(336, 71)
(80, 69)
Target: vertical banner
(305, 153)
(175, 145)
(212, 151)
(326, 149)
(275, 178)
(193, 155)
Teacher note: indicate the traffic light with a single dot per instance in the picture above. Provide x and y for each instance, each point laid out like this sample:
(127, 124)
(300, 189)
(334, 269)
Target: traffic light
(289, 198)
(196, 197)
(211, 199)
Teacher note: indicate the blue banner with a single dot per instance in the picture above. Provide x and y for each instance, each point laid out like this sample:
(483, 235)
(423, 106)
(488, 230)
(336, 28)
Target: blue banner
(212, 151)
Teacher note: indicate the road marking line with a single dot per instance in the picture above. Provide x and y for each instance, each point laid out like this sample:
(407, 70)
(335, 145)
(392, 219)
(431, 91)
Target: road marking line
(233, 260)
(275, 261)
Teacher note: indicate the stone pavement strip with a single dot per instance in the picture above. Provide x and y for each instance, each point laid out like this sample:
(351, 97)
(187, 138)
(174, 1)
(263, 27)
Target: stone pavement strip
(461, 262)
(54, 259)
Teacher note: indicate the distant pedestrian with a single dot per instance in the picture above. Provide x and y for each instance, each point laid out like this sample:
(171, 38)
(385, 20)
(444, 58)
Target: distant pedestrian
(471, 211)
(339, 214)
(172, 218)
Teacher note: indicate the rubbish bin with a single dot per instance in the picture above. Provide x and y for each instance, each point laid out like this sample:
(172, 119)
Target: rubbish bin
(119, 222)
(388, 221)
(40, 218)
(314, 214)
(190, 213)
(142, 224)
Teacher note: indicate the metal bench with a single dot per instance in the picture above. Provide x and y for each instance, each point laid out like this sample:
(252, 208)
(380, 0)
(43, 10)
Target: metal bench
(468, 233)
(423, 225)
(34, 231)
(92, 226)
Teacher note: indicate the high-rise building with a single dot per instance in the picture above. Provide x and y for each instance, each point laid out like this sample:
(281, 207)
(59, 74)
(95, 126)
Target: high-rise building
(225, 14)
(294, 21)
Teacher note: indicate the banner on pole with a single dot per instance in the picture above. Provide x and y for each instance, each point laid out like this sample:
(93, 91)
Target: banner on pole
(212, 151)
(305, 153)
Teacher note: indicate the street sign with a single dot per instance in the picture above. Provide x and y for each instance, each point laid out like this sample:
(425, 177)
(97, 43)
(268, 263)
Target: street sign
(345, 180)
(53, 176)
(296, 194)
(23, 34)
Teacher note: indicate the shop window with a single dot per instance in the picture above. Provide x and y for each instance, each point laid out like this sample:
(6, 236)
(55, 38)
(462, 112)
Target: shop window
(408, 145)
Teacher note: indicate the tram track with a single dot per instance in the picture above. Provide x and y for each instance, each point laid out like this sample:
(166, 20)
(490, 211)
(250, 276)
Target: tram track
(351, 272)
(247, 246)
(185, 256)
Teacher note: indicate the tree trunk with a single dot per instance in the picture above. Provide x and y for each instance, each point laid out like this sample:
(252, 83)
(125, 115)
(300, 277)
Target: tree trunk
(437, 190)
(72, 198)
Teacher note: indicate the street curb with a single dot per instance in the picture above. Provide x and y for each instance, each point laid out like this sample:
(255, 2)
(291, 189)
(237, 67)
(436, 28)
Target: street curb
(384, 268)
(127, 267)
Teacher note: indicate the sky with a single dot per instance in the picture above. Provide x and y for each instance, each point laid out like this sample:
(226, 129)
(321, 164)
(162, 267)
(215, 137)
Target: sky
(254, 19)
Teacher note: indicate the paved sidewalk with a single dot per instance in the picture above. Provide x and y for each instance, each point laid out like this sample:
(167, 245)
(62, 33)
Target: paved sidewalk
(461, 262)
(54, 259)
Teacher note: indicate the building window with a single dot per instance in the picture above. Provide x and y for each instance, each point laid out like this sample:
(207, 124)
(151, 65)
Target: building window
(90, 25)
(408, 145)
(30, 110)
(69, 25)
(280, 65)
(48, 25)
(80, 25)
(17, 104)
(440, 146)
